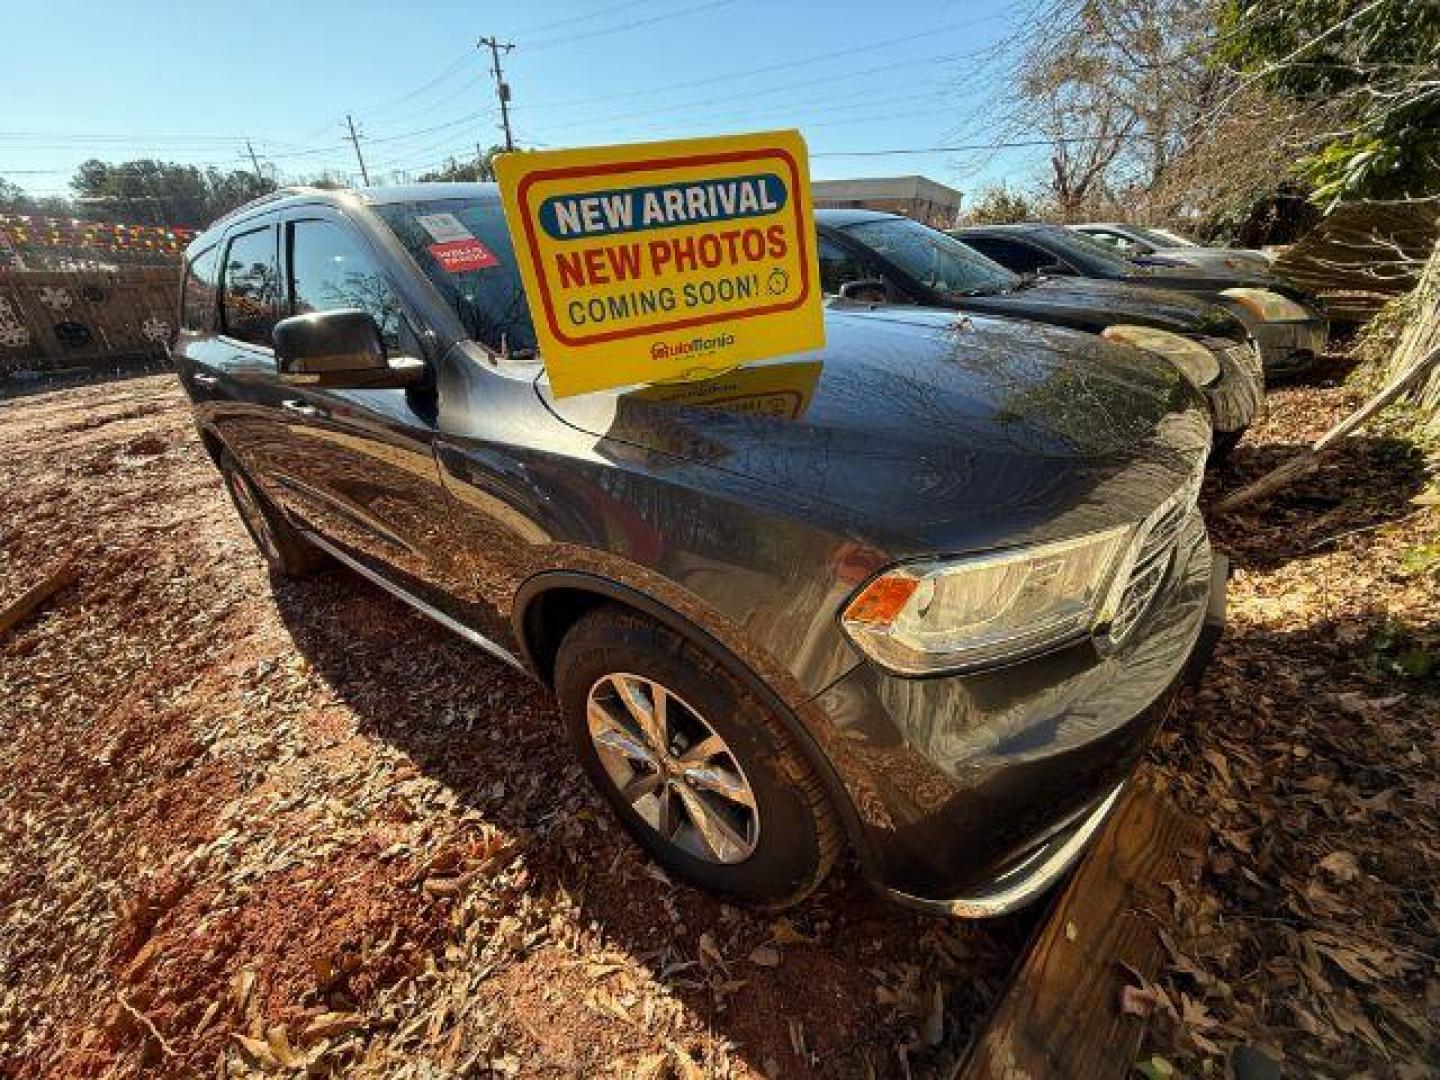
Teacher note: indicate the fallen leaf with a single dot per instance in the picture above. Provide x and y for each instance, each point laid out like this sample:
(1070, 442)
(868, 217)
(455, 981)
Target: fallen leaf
(1137, 1001)
(1341, 865)
(766, 956)
(783, 932)
(1155, 1068)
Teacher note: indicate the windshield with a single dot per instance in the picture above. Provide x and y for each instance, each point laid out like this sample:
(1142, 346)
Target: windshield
(482, 282)
(937, 261)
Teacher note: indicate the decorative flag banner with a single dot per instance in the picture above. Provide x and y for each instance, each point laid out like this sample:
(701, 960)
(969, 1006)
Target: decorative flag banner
(663, 261)
(80, 238)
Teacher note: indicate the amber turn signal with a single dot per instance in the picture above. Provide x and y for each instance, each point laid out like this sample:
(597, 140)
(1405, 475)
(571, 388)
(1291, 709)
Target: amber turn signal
(882, 599)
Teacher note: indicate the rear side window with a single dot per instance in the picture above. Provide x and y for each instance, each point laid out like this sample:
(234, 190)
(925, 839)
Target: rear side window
(197, 300)
(1011, 254)
(330, 268)
(251, 302)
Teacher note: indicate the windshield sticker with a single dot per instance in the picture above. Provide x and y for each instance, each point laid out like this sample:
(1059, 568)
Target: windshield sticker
(457, 256)
(444, 228)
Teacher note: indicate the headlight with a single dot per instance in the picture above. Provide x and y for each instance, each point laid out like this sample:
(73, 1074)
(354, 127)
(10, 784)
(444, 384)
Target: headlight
(1193, 359)
(1269, 306)
(941, 616)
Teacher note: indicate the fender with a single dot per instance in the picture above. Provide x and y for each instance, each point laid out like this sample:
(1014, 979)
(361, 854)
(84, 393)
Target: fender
(522, 623)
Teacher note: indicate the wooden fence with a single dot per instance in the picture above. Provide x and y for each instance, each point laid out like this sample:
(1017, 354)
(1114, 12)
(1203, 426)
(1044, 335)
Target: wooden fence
(57, 319)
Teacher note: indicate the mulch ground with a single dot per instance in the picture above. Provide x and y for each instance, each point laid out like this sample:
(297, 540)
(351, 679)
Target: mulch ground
(249, 826)
(1313, 938)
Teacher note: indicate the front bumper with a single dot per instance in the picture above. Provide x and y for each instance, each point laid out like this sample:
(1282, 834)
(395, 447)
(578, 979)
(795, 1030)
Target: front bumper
(1288, 348)
(980, 790)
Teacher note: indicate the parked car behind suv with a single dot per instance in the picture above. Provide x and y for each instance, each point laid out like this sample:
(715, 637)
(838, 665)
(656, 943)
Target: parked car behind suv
(870, 256)
(928, 590)
(1289, 326)
(1155, 247)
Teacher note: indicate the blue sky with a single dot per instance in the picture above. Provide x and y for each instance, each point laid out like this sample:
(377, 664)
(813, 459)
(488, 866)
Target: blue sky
(188, 81)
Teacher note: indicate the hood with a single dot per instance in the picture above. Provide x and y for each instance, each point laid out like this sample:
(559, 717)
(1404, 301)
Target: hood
(1093, 304)
(1235, 260)
(1207, 277)
(923, 432)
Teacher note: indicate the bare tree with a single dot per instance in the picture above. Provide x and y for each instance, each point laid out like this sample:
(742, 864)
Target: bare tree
(1116, 86)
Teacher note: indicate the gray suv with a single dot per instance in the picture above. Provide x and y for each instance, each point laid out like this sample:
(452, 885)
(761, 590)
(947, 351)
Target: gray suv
(926, 592)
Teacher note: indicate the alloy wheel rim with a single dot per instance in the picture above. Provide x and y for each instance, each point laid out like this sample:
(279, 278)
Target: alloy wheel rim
(253, 516)
(673, 768)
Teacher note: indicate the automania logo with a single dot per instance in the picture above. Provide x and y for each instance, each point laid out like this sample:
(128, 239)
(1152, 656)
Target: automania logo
(669, 351)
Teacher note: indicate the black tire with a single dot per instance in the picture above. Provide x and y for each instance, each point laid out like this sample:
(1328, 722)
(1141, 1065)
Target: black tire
(1223, 445)
(797, 835)
(286, 551)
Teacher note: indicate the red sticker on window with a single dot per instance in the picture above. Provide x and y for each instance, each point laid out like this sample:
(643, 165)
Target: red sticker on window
(455, 256)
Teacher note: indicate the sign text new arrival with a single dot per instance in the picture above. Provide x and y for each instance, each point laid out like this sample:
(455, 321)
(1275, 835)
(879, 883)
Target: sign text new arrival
(665, 260)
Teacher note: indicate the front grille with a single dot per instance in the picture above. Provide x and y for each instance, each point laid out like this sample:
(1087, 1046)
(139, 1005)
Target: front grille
(1154, 551)
(1148, 574)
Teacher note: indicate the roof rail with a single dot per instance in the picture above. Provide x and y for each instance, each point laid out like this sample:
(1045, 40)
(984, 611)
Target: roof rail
(268, 197)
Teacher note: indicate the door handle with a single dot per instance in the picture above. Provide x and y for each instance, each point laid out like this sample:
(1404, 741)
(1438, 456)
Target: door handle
(299, 408)
(207, 381)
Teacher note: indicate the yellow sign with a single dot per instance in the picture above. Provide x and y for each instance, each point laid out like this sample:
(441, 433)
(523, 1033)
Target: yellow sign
(662, 261)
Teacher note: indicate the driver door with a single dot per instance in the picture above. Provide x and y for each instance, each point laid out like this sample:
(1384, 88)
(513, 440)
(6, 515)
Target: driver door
(360, 464)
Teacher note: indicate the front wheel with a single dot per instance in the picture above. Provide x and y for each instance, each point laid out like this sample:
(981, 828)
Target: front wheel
(699, 770)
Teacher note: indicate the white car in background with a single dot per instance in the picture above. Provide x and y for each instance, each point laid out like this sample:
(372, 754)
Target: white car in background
(1160, 247)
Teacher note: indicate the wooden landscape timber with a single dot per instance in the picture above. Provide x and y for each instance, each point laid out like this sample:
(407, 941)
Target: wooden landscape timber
(1307, 461)
(28, 602)
(1061, 1015)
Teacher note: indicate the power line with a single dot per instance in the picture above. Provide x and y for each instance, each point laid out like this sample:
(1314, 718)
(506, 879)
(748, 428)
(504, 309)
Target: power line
(572, 38)
(286, 150)
(457, 65)
(790, 110)
(1019, 144)
(570, 20)
(451, 69)
(784, 65)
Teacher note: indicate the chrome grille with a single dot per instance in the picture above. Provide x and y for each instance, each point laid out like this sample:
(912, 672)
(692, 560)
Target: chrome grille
(1153, 552)
(1148, 574)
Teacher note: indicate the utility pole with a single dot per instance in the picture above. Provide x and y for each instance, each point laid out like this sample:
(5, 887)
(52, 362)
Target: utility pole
(502, 88)
(355, 142)
(256, 162)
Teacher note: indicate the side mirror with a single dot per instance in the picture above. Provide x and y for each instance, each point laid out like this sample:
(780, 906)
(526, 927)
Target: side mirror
(1056, 269)
(1142, 249)
(339, 350)
(865, 291)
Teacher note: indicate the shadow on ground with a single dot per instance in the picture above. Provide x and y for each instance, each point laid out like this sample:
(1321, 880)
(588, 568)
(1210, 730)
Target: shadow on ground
(847, 1001)
(1366, 483)
(22, 384)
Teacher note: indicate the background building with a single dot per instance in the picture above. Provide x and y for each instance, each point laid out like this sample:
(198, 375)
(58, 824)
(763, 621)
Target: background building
(914, 196)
